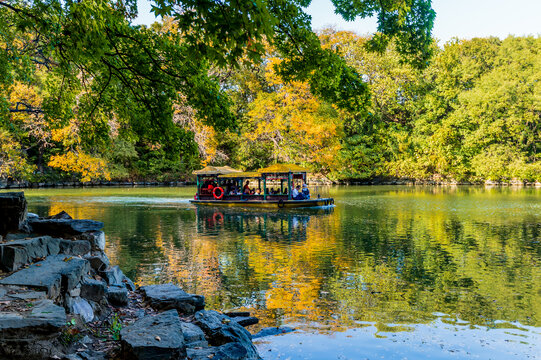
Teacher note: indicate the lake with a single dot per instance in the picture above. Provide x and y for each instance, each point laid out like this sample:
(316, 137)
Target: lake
(389, 272)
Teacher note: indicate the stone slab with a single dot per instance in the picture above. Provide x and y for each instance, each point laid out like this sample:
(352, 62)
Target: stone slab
(55, 273)
(169, 296)
(64, 227)
(44, 321)
(154, 337)
(15, 254)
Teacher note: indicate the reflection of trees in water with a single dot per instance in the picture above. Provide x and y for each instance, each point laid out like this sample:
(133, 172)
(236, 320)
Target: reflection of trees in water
(393, 257)
(285, 226)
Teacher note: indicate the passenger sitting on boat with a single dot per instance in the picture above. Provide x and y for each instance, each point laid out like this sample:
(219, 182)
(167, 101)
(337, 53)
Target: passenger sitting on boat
(258, 192)
(305, 191)
(296, 194)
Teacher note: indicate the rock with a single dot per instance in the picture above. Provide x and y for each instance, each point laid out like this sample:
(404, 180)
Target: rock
(115, 276)
(61, 215)
(75, 292)
(13, 209)
(74, 247)
(56, 273)
(64, 227)
(193, 335)
(15, 254)
(32, 216)
(82, 307)
(117, 295)
(10, 293)
(98, 263)
(94, 290)
(230, 351)
(169, 296)
(18, 236)
(154, 337)
(220, 330)
(43, 322)
(96, 238)
(270, 331)
(245, 320)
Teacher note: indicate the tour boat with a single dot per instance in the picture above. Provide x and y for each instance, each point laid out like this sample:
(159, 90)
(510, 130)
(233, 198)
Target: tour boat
(225, 186)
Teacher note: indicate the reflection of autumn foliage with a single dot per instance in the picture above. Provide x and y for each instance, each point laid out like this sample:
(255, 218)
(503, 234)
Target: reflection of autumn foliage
(385, 256)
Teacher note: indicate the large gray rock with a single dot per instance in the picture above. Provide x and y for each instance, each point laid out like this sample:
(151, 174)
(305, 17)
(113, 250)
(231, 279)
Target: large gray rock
(245, 320)
(11, 293)
(115, 277)
(169, 296)
(98, 263)
(230, 351)
(15, 254)
(43, 322)
(220, 329)
(193, 335)
(117, 295)
(56, 274)
(94, 290)
(82, 308)
(96, 238)
(63, 227)
(61, 215)
(74, 247)
(154, 337)
(13, 209)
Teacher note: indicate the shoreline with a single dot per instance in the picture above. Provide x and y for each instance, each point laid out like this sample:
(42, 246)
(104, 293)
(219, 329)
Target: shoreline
(129, 184)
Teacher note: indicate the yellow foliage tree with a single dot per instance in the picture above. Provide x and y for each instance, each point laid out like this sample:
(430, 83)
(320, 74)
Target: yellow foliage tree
(74, 160)
(298, 127)
(13, 162)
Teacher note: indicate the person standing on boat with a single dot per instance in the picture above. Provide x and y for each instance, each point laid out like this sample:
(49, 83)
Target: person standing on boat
(246, 188)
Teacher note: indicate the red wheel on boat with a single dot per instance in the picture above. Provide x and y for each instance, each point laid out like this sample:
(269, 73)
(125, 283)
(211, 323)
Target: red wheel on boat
(220, 190)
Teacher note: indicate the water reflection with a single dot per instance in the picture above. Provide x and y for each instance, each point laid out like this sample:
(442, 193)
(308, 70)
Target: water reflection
(392, 257)
(283, 226)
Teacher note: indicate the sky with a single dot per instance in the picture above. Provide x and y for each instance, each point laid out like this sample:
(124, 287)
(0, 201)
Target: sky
(464, 19)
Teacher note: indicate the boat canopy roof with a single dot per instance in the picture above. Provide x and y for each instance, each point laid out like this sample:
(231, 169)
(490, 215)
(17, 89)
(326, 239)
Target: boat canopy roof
(216, 170)
(283, 168)
(243, 174)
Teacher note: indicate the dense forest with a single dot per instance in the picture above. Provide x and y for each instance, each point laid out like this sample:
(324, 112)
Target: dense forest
(85, 95)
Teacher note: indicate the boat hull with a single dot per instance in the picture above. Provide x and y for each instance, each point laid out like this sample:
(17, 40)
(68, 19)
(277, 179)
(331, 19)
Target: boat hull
(273, 204)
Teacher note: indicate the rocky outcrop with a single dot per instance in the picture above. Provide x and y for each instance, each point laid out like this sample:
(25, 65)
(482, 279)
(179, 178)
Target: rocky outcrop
(220, 329)
(169, 296)
(154, 337)
(13, 209)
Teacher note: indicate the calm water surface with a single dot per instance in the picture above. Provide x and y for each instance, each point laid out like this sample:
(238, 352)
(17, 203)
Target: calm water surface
(389, 272)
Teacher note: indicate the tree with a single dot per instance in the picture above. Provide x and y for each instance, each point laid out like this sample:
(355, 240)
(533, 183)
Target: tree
(115, 78)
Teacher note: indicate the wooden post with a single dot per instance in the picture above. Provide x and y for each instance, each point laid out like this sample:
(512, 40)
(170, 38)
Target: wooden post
(289, 186)
(264, 187)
